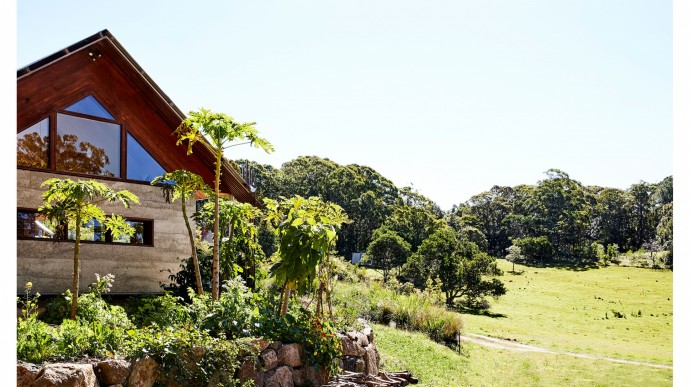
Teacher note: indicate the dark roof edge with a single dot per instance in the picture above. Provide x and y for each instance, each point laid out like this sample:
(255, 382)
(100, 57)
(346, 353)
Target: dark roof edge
(105, 34)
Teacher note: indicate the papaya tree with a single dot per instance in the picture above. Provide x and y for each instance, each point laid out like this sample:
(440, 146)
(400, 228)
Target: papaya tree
(220, 132)
(69, 203)
(183, 185)
(307, 230)
(239, 247)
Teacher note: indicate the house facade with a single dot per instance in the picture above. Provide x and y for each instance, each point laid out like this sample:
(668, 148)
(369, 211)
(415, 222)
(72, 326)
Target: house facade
(90, 111)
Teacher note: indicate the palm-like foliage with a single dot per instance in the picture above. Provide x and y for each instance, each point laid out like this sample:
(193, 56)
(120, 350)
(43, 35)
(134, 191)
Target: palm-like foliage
(67, 202)
(307, 230)
(220, 132)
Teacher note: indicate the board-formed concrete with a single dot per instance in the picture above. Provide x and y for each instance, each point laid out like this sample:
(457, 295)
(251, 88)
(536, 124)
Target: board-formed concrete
(137, 269)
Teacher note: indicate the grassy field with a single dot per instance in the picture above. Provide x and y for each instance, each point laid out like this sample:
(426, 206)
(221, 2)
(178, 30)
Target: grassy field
(618, 312)
(437, 365)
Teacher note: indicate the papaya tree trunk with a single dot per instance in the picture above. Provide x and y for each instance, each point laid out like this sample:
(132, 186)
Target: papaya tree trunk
(195, 259)
(215, 286)
(75, 270)
(286, 299)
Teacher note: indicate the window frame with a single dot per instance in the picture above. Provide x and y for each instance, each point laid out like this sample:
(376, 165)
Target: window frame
(148, 232)
(52, 144)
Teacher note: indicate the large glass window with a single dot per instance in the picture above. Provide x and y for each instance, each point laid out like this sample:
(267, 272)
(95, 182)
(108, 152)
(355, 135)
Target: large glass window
(87, 146)
(32, 145)
(84, 138)
(140, 164)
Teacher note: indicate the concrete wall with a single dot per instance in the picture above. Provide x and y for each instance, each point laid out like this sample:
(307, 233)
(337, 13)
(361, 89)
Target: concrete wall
(137, 269)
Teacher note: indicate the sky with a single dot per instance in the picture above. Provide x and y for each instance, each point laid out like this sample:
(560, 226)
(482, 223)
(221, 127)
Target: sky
(451, 97)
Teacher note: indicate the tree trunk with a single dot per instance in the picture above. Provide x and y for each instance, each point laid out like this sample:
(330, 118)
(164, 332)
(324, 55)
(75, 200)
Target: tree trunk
(75, 270)
(286, 299)
(195, 259)
(215, 276)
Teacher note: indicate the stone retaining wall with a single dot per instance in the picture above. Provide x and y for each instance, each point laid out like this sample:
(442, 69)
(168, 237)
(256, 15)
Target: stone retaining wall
(276, 365)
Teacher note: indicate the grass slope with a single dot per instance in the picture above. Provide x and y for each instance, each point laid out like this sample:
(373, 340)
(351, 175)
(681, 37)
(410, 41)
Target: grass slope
(574, 311)
(437, 365)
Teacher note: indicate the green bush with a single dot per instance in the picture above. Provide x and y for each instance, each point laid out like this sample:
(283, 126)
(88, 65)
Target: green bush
(301, 325)
(419, 311)
(165, 310)
(35, 339)
(232, 315)
(187, 355)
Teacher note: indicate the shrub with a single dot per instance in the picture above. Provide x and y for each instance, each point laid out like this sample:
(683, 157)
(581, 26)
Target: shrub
(187, 355)
(416, 311)
(35, 339)
(185, 278)
(301, 325)
(165, 310)
(232, 315)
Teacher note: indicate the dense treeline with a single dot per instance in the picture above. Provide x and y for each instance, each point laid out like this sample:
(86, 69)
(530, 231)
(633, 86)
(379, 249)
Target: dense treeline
(557, 220)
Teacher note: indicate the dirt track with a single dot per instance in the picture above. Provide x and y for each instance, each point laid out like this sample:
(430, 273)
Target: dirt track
(516, 346)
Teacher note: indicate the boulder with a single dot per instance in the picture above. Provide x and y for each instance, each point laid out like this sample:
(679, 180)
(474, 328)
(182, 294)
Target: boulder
(299, 376)
(144, 373)
(371, 358)
(281, 377)
(66, 375)
(275, 345)
(367, 331)
(350, 347)
(250, 370)
(26, 374)
(112, 371)
(291, 355)
(269, 359)
(317, 376)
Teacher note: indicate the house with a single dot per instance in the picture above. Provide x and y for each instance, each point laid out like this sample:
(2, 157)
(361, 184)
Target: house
(89, 111)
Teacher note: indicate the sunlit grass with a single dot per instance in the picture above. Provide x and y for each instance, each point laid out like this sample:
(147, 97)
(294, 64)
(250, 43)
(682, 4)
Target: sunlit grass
(576, 311)
(437, 365)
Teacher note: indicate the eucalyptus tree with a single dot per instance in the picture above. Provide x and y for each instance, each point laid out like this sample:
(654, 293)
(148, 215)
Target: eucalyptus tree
(69, 203)
(640, 202)
(183, 185)
(307, 229)
(220, 132)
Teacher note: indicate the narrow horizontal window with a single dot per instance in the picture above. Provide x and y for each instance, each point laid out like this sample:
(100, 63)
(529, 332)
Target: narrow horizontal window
(32, 225)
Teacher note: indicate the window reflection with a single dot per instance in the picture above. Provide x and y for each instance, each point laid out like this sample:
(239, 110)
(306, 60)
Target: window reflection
(140, 164)
(137, 237)
(31, 224)
(87, 146)
(32, 145)
(90, 107)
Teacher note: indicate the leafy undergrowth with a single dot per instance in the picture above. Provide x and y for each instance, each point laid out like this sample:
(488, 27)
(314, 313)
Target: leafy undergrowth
(438, 365)
(401, 306)
(618, 312)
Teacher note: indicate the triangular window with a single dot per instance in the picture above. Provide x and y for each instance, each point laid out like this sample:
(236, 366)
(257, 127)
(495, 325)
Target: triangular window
(91, 107)
(140, 165)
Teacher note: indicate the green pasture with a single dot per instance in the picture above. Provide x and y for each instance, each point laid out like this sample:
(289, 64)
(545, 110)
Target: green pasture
(437, 365)
(619, 312)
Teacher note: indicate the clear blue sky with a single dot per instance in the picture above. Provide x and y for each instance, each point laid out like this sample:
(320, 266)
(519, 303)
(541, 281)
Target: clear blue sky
(450, 96)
